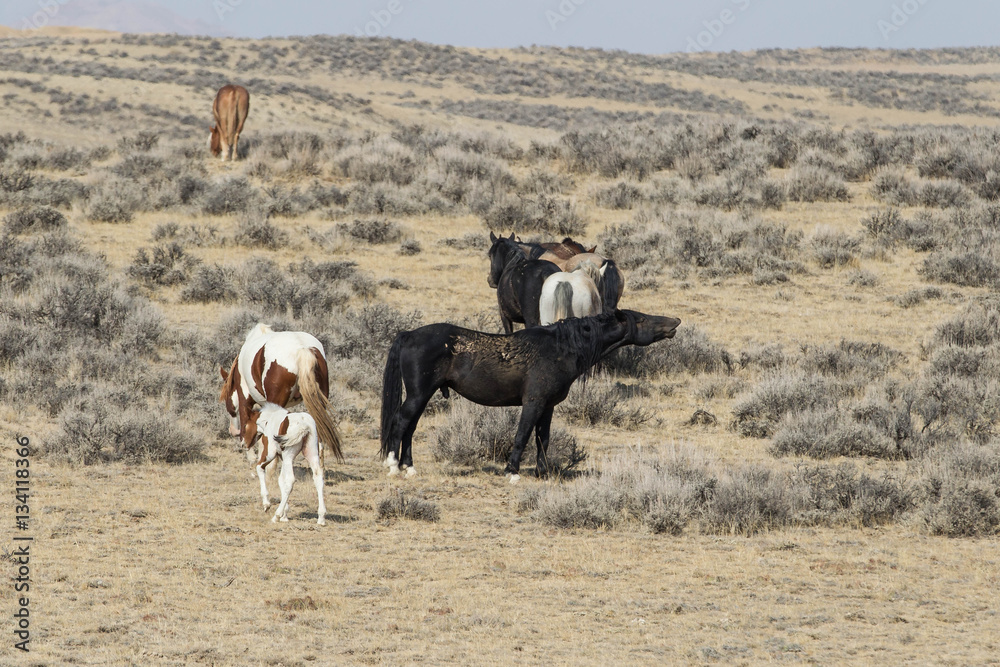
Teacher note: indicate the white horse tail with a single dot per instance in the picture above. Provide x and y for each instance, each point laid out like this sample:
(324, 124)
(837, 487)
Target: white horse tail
(310, 363)
(562, 301)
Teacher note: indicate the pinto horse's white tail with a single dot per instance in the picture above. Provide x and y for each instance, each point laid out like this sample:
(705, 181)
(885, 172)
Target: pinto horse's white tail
(310, 363)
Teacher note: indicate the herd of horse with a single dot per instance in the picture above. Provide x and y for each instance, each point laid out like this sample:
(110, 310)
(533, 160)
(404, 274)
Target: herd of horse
(565, 294)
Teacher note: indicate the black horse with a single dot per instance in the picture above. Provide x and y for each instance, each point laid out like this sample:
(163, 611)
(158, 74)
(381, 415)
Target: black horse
(533, 368)
(518, 282)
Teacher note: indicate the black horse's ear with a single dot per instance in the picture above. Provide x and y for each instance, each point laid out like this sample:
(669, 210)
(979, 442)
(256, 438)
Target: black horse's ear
(493, 237)
(512, 236)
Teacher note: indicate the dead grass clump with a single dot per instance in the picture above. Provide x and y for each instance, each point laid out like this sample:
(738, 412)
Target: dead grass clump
(33, 219)
(476, 434)
(398, 506)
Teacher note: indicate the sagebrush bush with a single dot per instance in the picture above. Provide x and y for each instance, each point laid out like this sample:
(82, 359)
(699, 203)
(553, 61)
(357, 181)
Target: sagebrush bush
(972, 268)
(103, 431)
(255, 230)
(397, 505)
(776, 395)
(33, 219)
(116, 201)
(165, 264)
(543, 214)
(231, 195)
(747, 501)
(601, 402)
(834, 249)
(373, 230)
(209, 284)
(891, 186)
(476, 434)
(814, 183)
(691, 350)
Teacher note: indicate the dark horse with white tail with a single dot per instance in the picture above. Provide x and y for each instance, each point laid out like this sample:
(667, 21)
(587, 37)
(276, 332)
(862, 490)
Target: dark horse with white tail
(533, 368)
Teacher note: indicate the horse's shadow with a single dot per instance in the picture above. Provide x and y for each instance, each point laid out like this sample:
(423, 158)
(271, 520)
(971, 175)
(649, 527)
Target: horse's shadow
(303, 474)
(330, 518)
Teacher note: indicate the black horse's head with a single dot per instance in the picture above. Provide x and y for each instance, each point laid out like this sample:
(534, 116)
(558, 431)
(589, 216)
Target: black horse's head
(502, 251)
(646, 329)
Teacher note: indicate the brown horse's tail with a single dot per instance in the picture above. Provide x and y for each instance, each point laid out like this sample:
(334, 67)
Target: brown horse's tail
(310, 364)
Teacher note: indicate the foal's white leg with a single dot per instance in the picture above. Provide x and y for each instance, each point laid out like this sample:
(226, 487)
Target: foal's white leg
(286, 478)
(311, 454)
(263, 485)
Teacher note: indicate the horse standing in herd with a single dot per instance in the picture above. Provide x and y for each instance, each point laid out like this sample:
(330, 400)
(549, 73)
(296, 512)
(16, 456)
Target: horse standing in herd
(533, 368)
(278, 367)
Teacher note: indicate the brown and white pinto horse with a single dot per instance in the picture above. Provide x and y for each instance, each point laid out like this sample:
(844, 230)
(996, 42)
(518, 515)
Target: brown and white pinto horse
(280, 368)
(230, 109)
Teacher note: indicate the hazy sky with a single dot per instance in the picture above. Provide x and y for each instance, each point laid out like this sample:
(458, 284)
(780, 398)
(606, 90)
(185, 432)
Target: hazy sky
(648, 26)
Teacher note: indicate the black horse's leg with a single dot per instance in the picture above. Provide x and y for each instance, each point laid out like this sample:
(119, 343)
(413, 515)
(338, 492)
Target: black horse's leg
(530, 414)
(508, 324)
(542, 430)
(406, 424)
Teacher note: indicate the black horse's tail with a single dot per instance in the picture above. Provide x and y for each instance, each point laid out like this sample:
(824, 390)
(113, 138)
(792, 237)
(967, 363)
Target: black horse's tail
(611, 285)
(392, 394)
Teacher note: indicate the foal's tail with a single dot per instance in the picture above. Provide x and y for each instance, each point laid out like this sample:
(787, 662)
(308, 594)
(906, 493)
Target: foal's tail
(610, 285)
(392, 394)
(310, 363)
(298, 433)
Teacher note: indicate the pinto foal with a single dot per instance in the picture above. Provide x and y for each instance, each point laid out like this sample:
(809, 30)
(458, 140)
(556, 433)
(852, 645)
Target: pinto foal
(284, 434)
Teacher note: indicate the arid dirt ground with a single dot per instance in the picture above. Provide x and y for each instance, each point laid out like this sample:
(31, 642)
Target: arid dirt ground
(153, 563)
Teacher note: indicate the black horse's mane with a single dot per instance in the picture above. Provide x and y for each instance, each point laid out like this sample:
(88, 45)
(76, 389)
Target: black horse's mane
(514, 254)
(582, 336)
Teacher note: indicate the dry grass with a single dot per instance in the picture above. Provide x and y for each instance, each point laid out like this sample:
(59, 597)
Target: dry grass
(176, 564)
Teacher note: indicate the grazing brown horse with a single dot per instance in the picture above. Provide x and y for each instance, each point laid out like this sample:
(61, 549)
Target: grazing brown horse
(230, 109)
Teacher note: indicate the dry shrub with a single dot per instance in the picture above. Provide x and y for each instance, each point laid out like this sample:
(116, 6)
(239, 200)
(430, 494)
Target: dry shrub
(33, 219)
(476, 434)
(601, 402)
(374, 230)
(397, 505)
